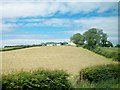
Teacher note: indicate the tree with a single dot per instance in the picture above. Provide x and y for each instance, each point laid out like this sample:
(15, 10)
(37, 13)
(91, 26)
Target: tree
(109, 44)
(91, 37)
(99, 36)
(103, 39)
(95, 37)
(118, 45)
(78, 39)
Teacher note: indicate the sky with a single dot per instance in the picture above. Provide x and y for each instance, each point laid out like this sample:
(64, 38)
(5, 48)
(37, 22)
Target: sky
(36, 21)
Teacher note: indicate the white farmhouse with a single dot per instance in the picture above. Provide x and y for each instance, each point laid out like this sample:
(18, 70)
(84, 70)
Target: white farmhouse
(58, 44)
(71, 43)
(50, 45)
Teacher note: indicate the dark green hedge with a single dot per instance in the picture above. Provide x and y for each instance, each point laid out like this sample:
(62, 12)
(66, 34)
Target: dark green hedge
(9, 49)
(100, 73)
(37, 80)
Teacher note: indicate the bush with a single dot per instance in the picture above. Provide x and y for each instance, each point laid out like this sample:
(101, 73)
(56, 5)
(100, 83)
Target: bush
(36, 80)
(99, 73)
(117, 57)
(86, 46)
(115, 54)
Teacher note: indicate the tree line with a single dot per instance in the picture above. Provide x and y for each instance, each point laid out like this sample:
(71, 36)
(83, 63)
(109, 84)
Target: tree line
(92, 38)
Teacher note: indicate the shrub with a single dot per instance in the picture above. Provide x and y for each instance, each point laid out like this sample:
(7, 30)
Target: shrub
(36, 80)
(115, 54)
(86, 46)
(0, 82)
(99, 73)
(117, 57)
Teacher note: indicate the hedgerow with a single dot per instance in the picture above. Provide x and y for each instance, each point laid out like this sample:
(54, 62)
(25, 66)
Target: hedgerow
(36, 80)
(99, 73)
(115, 55)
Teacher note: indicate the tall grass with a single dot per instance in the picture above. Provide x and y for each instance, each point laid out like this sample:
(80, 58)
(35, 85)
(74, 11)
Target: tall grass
(100, 76)
(110, 83)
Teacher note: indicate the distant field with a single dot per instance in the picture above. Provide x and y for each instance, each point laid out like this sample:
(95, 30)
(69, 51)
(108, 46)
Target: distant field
(111, 49)
(68, 58)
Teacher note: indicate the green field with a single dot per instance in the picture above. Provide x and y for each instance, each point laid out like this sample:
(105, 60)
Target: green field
(108, 52)
(110, 49)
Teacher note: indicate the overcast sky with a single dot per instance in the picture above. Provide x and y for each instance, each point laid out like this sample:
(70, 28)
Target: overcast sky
(35, 21)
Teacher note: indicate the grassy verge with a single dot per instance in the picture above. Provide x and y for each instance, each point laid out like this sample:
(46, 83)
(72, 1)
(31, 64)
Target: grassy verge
(109, 52)
(101, 76)
(100, 72)
(110, 83)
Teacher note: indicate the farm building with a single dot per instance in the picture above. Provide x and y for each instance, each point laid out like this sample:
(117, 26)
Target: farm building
(50, 44)
(71, 43)
(58, 44)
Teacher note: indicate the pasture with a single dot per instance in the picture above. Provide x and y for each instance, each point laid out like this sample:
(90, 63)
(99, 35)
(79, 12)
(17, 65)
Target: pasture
(68, 58)
(110, 49)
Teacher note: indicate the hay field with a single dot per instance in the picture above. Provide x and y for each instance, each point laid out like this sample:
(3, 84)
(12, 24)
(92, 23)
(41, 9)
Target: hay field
(68, 58)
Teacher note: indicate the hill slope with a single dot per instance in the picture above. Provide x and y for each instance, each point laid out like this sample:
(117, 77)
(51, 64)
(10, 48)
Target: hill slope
(68, 58)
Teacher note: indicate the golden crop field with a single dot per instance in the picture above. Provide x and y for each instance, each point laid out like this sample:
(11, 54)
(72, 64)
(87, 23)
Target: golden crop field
(68, 58)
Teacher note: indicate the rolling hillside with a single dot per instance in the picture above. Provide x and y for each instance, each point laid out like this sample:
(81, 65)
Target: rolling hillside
(68, 58)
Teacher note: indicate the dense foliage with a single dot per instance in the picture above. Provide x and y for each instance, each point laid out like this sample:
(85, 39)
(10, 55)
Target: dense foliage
(95, 37)
(96, 40)
(36, 80)
(100, 73)
(118, 45)
(91, 38)
(78, 39)
(101, 76)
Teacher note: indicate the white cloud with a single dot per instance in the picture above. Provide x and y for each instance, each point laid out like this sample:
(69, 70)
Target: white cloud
(74, 31)
(8, 27)
(14, 9)
(54, 22)
(26, 36)
(109, 25)
(51, 22)
(1, 26)
(29, 9)
(60, 1)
